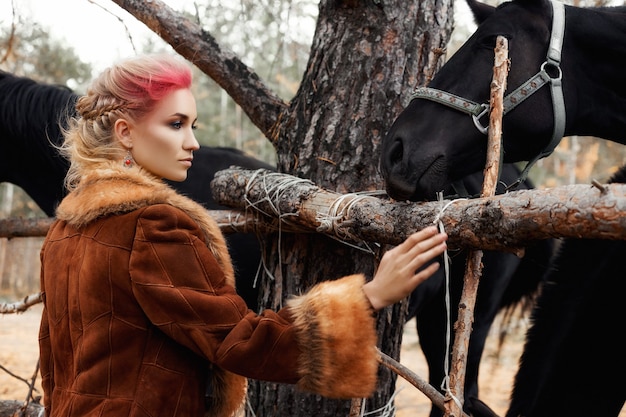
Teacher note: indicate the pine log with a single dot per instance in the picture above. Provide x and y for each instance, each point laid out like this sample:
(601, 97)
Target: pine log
(505, 222)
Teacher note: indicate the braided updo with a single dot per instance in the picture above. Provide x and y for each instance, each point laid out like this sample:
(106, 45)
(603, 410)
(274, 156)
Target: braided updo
(129, 89)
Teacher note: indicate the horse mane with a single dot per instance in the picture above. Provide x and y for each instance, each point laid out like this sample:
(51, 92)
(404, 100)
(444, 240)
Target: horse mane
(27, 107)
(31, 116)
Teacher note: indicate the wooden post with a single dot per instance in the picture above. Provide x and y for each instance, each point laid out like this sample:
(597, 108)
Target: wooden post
(473, 269)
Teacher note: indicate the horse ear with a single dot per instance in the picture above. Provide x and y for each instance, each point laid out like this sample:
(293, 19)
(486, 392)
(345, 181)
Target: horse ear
(481, 11)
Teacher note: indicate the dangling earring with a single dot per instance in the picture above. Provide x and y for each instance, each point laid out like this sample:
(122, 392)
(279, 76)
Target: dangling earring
(129, 162)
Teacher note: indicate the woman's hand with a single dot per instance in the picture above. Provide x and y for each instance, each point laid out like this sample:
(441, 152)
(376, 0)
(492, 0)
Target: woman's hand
(396, 276)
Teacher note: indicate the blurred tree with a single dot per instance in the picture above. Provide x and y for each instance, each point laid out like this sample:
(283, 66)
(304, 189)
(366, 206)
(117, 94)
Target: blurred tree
(27, 49)
(273, 37)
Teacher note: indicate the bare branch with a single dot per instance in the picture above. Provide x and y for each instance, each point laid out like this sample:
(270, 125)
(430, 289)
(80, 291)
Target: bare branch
(474, 265)
(20, 306)
(261, 104)
(433, 395)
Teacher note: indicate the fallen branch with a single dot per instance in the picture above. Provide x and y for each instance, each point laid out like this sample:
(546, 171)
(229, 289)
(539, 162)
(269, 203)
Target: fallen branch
(20, 306)
(504, 222)
(433, 395)
(474, 266)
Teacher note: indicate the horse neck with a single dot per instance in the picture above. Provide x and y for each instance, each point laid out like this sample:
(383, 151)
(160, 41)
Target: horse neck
(594, 52)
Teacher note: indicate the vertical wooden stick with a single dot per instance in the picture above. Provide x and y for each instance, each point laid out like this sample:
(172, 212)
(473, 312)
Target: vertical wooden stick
(494, 139)
(355, 407)
(473, 270)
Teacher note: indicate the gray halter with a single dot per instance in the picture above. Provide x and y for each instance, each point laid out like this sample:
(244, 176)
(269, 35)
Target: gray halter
(552, 62)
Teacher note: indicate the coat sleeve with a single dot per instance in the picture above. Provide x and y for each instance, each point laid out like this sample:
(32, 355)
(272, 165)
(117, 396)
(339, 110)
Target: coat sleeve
(324, 340)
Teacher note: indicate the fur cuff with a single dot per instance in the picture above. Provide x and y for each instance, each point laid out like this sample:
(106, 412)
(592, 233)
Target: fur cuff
(337, 337)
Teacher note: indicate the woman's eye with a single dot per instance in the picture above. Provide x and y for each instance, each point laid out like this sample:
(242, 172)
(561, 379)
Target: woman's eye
(194, 126)
(177, 125)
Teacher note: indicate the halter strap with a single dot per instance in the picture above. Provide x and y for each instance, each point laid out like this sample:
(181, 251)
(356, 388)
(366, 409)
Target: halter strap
(541, 78)
(476, 110)
(556, 89)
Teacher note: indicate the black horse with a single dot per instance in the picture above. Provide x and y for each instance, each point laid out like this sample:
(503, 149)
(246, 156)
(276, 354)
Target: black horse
(573, 359)
(566, 78)
(505, 278)
(432, 144)
(31, 114)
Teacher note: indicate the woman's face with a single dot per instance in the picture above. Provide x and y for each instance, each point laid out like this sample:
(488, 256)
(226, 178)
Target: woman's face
(163, 141)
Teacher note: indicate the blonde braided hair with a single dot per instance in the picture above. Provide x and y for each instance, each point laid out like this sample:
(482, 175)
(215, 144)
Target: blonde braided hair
(129, 89)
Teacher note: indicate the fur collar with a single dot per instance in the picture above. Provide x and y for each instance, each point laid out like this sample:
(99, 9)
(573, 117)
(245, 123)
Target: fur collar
(110, 190)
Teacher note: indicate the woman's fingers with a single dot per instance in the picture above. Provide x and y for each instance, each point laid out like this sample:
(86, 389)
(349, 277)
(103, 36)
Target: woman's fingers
(398, 273)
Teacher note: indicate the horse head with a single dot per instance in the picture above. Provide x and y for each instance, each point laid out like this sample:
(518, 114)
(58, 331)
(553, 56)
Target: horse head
(439, 137)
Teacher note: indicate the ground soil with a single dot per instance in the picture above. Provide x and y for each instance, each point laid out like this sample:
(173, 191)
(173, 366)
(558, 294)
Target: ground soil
(18, 354)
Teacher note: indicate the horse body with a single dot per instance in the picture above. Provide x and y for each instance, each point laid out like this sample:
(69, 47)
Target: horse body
(28, 132)
(569, 356)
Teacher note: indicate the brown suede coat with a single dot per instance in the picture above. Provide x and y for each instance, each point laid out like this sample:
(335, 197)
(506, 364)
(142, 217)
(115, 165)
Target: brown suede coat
(140, 311)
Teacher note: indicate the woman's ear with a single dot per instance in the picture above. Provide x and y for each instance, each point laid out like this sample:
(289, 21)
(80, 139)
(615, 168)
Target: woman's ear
(122, 133)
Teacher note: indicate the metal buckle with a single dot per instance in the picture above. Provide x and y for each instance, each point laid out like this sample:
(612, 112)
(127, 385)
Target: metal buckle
(476, 119)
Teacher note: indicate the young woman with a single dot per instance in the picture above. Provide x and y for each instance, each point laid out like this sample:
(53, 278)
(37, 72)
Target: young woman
(141, 315)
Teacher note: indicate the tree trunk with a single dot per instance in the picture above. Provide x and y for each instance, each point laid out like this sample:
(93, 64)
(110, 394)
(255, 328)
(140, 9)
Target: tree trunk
(365, 59)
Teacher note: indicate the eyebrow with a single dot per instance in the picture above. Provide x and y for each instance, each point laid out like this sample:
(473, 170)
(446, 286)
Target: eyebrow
(183, 116)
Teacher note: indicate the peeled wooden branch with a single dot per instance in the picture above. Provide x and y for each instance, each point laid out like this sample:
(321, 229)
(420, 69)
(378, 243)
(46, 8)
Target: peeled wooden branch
(474, 266)
(502, 222)
(20, 306)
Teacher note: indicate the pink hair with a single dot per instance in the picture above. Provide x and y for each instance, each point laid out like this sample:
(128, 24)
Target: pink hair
(144, 80)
